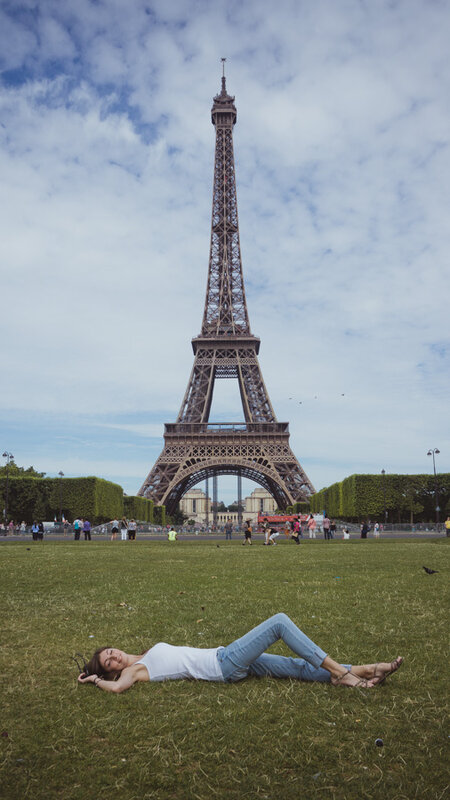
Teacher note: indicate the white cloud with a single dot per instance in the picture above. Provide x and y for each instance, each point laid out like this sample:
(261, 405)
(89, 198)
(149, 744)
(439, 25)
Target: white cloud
(342, 155)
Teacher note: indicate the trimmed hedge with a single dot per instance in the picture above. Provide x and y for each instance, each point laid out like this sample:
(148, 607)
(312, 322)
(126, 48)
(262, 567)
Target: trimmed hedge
(139, 508)
(28, 498)
(34, 498)
(407, 497)
(40, 498)
(159, 514)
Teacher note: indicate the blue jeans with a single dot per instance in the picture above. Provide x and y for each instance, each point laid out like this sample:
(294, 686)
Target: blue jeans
(246, 656)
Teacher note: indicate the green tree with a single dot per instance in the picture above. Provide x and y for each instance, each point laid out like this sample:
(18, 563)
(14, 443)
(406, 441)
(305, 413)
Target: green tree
(178, 517)
(20, 472)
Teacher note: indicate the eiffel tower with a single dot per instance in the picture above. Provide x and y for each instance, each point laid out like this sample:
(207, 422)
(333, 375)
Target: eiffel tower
(194, 448)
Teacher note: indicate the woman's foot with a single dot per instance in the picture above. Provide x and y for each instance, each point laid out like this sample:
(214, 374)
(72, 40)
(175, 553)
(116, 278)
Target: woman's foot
(382, 670)
(348, 678)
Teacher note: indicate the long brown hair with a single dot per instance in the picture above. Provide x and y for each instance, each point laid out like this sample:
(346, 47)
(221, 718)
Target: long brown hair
(94, 666)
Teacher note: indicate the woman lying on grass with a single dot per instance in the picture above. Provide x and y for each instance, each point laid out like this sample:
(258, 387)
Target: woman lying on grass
(115, 671)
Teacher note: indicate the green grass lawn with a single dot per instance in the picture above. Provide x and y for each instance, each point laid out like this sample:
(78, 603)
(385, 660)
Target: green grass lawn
(360, 601)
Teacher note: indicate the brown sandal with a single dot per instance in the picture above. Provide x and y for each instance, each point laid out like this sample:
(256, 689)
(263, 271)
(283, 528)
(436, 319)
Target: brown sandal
(362, 683)
(395, 665)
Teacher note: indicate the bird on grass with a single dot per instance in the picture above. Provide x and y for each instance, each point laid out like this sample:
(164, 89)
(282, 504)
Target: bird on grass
(430, 571)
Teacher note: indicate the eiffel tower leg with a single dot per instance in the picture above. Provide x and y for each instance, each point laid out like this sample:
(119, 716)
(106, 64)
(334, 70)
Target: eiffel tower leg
(239, 496)
(215, 502)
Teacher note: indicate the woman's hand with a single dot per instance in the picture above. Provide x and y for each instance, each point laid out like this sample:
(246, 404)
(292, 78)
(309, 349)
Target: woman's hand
(87, 678)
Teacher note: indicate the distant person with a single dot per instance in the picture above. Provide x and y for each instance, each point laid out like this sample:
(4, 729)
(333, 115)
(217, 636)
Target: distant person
(40, 531)
(345, 532)
(311, 525)
(172, 535)
(114, 529)
(326, 528)
(66, 525)
(332, 531)
(123, 529)
(132, 526)
(447, 526)
(296, 533)
(273, 534)
(364, 530)
(376, 530)
(247, 533)
(87, 530)
(23, 526)
(35, 531)
(228, 529)
(76, 528)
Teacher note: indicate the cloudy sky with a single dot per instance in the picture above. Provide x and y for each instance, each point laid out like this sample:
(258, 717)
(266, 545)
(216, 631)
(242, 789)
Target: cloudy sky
(342, 158)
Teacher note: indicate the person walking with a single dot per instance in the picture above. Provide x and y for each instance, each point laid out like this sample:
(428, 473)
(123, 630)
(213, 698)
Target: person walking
(87, 530)
(296, 533)
(311, 525)
(247, 533)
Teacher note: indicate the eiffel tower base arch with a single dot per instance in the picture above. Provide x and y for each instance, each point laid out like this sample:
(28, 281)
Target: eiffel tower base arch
(194, 452)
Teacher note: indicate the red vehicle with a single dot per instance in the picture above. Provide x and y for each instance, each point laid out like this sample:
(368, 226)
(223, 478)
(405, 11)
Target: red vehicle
(280, 519)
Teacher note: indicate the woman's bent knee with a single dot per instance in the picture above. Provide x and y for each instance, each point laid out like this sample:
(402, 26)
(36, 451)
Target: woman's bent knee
(281, 617)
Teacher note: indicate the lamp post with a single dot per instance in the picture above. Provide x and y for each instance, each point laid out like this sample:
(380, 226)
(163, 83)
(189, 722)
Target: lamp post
(432, 452)
(9, 457)
(383, 472)
(61, 476)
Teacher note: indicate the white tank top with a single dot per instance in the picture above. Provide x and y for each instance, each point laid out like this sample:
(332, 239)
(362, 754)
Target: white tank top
(167, 662)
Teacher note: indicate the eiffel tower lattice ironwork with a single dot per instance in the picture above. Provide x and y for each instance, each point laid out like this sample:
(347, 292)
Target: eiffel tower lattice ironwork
(194, 448)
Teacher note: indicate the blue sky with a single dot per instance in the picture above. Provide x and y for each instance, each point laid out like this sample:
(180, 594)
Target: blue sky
(342, 157)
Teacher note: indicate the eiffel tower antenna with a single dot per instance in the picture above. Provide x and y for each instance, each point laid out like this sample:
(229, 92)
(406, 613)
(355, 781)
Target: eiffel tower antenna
(195, 449)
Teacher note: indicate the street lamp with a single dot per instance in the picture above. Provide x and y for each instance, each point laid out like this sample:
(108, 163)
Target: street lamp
(9, 457)
(383, 472)
(432, 452)
(61, 476)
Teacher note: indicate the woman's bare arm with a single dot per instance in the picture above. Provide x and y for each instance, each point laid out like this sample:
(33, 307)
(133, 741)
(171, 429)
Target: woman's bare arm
(129, 676)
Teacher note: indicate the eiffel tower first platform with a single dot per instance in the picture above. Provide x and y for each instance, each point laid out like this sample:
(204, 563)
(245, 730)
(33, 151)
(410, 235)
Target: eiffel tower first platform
(194, 449)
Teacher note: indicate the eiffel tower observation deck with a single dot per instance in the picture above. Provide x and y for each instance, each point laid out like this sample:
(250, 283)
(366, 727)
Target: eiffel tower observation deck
(258, 448)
